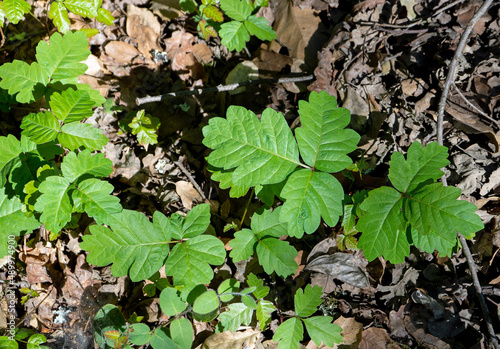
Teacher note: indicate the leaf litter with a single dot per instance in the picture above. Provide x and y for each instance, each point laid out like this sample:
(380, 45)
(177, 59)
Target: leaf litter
(384, 61)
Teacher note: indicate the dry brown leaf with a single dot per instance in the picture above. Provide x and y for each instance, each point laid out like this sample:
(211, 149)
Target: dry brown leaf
(121, 51)
(298, 29)
(95, 84)
(352, 332)
(270, 62)
(375, 338)
(95, 67)
(237, 340)
(179, 48)
(202, 53)
(189, 195)
(167, 9)
(367, 5)
(144, 28)
(469, 121)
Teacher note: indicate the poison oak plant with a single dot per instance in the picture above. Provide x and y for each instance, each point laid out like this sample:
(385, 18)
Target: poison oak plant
(14, 10)
(53, 173)
(235, 33)
(34, 188)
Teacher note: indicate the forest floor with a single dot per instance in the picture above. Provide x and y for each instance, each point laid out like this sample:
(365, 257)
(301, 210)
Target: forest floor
(385, 61)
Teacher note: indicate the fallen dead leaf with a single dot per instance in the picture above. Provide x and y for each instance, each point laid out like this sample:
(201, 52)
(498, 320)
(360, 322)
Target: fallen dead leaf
(352, 333)
(121, 51)
(189, 195)
(341, 266)
(144, 28)
(299, 30)
(237, 340)
(376, 338)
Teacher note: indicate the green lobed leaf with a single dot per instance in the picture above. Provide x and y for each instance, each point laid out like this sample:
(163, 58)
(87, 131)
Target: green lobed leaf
(243, 245)
(71, 105)
(40, 127)
(251, 147)
(182, 333)
(145, 128)
(321, 329)
(104, 16)
(170, 302)
(9, 156)
(85, 165)
(131, 243)
(278, 256)
(323, 140)
(307, 300)
(267, 224)
(310, 196)
(15, 9)
(225, 179)
(238, 10)
(227, 287)
(93, 197)
(139, 334)
(189, 262)
(28, 81)
(248, 301)
(260, 290)
(195, 223)
(383, 226)
(2, 17)
(435, 210)
(259, 27)
(263, 313)
(273, 254)
(289, 334)
(13, 220)
(423, 166)
(188, 5)
(437, 241)
(84, 8)
(237, 315)
(213, 13)
(59, 15)
(234, 35)
(54, 203)
(61, 60)
(206, 302)
(76, 135)
(161, 340)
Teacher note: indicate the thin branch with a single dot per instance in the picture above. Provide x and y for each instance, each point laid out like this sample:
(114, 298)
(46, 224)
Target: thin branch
(442, 103)
(453, 65)
(221, 88)
(191, 179)
(470, 104)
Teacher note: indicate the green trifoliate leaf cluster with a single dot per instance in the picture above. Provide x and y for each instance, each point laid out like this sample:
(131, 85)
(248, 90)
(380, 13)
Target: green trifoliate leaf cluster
(139, 248)
(273, 254)
(417, 210)
(145, 127)
(320, 328)
(206, 304)
(235, 34)
(251, 152)
(14, 10)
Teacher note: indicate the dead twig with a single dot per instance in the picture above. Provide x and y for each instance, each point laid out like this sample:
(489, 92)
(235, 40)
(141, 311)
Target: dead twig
(470, 104)
(453, 65)
(221, 88)
(191, 179)
(442, 103)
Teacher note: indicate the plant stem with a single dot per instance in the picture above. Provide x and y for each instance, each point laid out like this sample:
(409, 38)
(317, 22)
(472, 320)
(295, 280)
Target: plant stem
(221, 88)
(442, 104)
